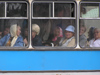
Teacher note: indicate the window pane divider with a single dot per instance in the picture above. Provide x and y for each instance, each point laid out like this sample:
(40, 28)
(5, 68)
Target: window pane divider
(53, 18)
(53, 9)
(12, 18)
(90, 18)
(5, 9)
(89, 2)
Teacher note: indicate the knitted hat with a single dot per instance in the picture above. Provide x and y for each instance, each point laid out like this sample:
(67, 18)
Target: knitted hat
(36, 28)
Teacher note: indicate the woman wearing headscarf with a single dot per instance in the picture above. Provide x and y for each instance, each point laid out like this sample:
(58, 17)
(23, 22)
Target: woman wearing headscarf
(69, 39)
(36, 40)
(14, 39)
(56, 36)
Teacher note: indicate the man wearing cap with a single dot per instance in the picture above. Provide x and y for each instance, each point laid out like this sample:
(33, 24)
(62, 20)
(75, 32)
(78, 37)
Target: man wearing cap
(69, 39)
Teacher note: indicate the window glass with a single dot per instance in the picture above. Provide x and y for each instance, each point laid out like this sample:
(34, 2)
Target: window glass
(64, 10)
(53, 32)
(90, 10)
(2, 9)
(16, 9)
(42, 10)
(13, 32)
(89, 33)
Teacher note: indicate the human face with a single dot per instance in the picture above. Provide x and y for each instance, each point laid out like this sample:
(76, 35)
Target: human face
(82, 30)
(6, 31)
(69, 34)
(60, 14)
(33, 34)
(18, 30)
(57, 32)
(96, 34)
(26, 32)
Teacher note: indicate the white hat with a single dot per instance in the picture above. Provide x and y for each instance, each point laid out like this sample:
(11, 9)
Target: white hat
(36, 28)
(70, 28)
(13, 30)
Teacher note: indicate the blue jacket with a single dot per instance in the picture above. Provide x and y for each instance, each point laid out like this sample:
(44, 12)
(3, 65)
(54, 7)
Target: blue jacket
(19, 42)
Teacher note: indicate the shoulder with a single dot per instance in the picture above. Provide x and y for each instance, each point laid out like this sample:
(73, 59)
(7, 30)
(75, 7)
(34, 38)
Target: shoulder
(37, 37)
(73, 38)
(63, 38)
(20, 37)
(83, 37)
(91, 40)
(6, 36)
(98, 40)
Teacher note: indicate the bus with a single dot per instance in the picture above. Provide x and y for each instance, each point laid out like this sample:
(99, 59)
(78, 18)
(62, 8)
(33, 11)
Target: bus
(49, 37)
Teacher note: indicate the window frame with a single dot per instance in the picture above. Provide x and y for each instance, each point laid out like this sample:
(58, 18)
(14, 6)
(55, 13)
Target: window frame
(5, 48)
(80, 18)
(43, 48)
(37, 48)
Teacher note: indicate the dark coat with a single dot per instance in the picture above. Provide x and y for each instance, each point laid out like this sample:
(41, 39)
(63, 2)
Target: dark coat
(37, 41)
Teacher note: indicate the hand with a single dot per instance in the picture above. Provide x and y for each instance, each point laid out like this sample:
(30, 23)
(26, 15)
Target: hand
(25, 41)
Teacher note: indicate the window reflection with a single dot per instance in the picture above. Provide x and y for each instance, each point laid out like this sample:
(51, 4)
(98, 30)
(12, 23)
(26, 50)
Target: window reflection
(16, 10)
(64, 10)
(2, 9)
(42, 9)
(90, 10)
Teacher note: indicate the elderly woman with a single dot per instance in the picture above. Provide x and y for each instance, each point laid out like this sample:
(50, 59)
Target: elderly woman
(36, 40)
(95, 42)
(69, 39)
(14, 39)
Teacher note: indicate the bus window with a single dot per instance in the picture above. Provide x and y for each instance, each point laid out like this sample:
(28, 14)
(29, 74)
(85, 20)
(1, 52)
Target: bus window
(89, 25)
(16, 9)
(14, 25)
(13, 30)
(57, 30)
(53, 30)
(64, 10)
(2, 11)
(42, 10)
(90, 10)
(90, 33)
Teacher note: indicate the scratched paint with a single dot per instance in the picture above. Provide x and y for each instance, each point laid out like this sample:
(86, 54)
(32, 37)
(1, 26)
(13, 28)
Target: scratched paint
(54, 73)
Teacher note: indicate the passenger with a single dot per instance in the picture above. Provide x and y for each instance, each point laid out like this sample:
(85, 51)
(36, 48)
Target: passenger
(69, 39)
(14, 39)
(0, 34)
(36, 40)
(82, 37)
(90, 33)
(59, 11)
(6, 31)
(58, 34)
(93, 13)
(26, 36)
(95, 42)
